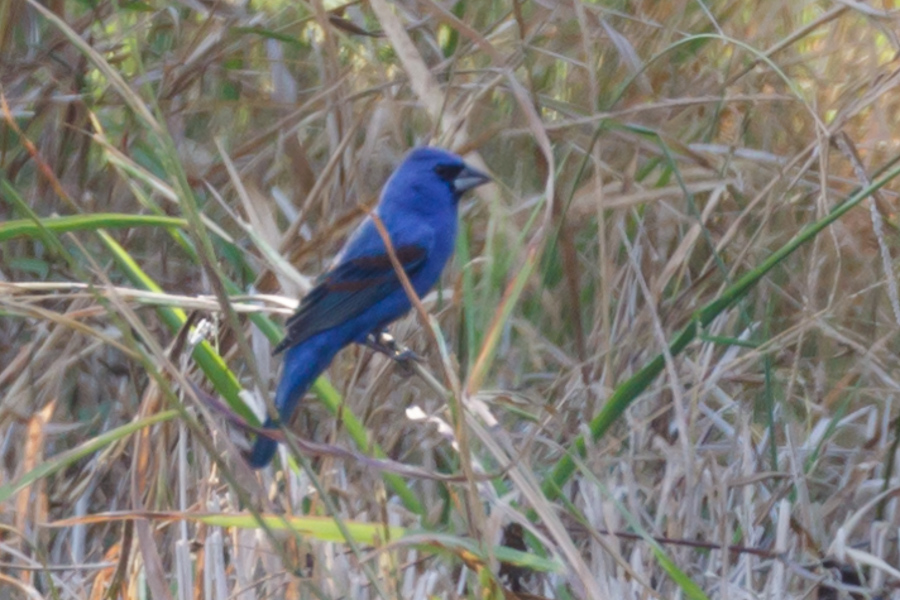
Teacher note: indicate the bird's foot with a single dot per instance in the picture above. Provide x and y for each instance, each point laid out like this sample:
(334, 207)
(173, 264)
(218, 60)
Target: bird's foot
(385, 343)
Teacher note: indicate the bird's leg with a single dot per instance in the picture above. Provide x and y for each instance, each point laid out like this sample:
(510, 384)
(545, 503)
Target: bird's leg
(384, 342)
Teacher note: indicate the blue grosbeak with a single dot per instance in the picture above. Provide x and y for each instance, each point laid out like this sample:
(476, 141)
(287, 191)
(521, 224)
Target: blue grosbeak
(361, 294)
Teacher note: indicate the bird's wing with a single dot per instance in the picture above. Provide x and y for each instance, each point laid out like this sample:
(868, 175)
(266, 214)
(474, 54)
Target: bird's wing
(348, 289)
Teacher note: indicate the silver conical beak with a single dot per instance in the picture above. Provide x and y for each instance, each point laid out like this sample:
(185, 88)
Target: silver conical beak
(469, 178)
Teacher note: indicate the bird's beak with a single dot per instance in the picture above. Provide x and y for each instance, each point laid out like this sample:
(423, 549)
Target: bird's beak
(469, 178)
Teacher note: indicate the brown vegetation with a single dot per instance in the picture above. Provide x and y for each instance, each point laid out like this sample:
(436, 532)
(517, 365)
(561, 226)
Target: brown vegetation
(647, 156)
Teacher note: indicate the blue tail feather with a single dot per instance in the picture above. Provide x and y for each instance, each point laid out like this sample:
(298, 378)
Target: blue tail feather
(263, 449)
(302, 364)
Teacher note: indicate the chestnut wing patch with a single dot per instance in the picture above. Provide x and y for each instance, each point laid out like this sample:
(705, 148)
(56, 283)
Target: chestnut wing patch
(347, 290)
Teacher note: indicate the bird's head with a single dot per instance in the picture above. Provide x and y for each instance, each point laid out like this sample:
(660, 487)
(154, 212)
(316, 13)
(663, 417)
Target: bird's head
(431, 179)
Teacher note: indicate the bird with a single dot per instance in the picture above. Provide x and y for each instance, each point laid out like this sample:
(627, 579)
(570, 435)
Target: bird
(360, 294)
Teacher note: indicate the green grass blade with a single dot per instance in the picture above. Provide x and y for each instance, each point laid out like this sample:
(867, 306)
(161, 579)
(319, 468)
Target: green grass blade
(70, 457)
(627, 392)
(28, 228)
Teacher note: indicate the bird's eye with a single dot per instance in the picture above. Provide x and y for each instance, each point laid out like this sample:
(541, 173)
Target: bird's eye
(448, 172)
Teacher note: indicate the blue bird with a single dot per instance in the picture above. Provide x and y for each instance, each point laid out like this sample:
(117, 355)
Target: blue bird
(360, 294)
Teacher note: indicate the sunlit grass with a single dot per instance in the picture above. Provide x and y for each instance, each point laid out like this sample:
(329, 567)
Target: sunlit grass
(670, 326)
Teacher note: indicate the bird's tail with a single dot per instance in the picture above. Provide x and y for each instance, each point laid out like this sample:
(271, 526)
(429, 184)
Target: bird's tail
(302, 364)
(263, 449)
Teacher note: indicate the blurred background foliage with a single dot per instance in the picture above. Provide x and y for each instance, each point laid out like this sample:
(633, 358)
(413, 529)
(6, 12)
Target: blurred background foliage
(163, 164)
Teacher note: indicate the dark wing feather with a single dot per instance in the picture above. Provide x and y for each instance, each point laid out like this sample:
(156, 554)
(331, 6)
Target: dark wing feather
(347, 290)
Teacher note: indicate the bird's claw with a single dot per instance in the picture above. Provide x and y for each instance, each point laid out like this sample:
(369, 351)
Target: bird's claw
(406, 356)
(385, 343)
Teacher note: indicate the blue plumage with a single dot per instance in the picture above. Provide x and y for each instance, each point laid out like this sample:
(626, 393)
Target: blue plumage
(361, 294)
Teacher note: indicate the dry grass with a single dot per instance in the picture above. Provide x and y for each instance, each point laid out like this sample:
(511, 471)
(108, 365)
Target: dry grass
(646, 157)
